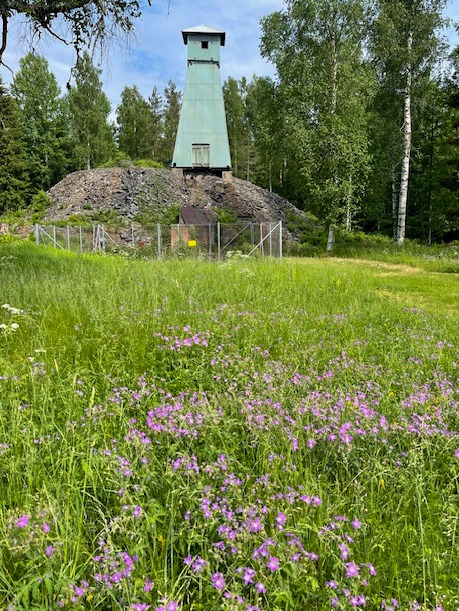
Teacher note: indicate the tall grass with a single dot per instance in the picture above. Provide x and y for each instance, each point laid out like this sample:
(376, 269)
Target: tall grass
(249, 435)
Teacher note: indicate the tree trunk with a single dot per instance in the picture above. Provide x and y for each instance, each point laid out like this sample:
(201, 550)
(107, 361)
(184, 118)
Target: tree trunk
(331, 237)
(394, 205)
(401, 217)
(431, 163)
(349, 206)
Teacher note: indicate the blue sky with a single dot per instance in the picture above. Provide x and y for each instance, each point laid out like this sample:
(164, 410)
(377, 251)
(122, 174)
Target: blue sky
(158, 53)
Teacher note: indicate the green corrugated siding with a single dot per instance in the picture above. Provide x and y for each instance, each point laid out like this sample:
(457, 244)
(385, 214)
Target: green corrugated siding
(202, 117)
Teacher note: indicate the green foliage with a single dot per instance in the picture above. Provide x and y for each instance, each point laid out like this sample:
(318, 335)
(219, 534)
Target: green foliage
(136, 133)
(43, 116)
(326, 87)
(149, 217)
(225, 215)
(170, 119)
(89, 108)
(79, 220)
(117, 160)
(40, 202)
(239, 132)
(109, 217)
(406, 45)
(150, 163)
(14, 178)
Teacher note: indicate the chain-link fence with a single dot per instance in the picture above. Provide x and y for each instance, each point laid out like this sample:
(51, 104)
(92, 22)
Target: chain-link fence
(214, 241)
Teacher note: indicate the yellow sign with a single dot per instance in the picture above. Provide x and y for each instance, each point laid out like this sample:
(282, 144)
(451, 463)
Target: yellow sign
(191, 243)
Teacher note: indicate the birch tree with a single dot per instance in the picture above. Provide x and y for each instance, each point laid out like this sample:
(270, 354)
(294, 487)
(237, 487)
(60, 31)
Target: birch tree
(405, 44)
(317, 48)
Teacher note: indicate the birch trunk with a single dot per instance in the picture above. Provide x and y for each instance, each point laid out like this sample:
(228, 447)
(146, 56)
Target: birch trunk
(331, 237)
(394, 205)
(401, 217)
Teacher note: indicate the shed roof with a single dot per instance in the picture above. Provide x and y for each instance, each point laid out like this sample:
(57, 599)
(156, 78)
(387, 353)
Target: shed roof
(203, 29)
(195, 216)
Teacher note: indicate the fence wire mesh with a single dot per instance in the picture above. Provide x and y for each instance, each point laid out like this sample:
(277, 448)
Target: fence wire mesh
(215, 241)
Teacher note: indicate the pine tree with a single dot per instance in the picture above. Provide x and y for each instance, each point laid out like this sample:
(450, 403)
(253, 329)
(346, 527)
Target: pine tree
(171, 115)
(42, 114)
(14, 180)
(155, 102)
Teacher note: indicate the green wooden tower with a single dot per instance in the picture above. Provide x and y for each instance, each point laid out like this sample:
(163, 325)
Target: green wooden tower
(202, 135)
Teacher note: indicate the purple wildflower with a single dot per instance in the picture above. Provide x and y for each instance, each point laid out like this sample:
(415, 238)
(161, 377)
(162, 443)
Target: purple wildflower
(352, 570)
(281, 518)
(137, 511)
(273, 563)
(22, 522)
(218, 582)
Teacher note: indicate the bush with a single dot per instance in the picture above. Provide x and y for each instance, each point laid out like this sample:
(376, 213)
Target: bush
(149, 163)
(119, 160)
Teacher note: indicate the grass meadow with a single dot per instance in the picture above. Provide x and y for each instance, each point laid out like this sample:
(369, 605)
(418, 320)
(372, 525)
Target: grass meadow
(256, 436)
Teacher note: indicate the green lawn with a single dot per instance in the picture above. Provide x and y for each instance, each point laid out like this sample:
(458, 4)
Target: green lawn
(247, 435)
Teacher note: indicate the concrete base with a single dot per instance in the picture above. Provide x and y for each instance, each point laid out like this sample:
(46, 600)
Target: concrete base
(177, 172)
(227, 176)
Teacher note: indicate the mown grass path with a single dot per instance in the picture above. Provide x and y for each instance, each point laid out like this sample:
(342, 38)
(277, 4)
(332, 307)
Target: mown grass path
(252, 435)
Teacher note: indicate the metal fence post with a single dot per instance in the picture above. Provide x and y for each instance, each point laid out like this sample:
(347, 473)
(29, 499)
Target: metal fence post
(81, 240)
(210, 243)
(37, 234)
(132, 234)
(270, 240)
(103, 238)
(54, 236)
(280, 240)
(158, 229)
(218, 240)
(68, 237)
(252, 237)
(262, 248)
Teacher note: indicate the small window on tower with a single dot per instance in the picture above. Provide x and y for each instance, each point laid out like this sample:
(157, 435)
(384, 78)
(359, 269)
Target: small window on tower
(204, 44)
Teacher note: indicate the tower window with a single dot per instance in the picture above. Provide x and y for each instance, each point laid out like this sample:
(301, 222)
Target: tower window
(204, 44)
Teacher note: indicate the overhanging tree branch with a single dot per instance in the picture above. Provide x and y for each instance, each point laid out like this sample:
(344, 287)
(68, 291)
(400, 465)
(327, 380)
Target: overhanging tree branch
(52, 7)
(83, 23)
(4, 36)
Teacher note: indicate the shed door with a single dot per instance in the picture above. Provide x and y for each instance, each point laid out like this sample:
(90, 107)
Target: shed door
(201, 155)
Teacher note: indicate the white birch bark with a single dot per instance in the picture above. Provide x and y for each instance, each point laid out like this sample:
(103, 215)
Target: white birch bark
(331, 237)
(394, 205)
(401, 217)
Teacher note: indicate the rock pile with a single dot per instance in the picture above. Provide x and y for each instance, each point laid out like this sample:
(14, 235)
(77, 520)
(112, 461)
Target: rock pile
(152, 195)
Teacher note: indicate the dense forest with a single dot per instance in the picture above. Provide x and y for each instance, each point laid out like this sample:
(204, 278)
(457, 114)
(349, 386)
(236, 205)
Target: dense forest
(359, 127)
